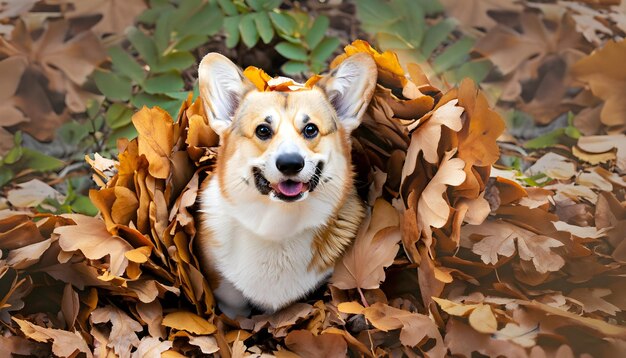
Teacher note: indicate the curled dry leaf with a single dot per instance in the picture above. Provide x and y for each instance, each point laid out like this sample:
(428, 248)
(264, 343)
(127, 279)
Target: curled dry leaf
(64, 343)
(123, 336)
(374, 248)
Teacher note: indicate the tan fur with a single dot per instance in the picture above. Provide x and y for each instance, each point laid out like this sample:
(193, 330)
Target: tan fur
(338, 234)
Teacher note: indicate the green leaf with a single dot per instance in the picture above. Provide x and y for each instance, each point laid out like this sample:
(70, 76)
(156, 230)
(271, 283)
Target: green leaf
(208, 21)
(375, 14)
(6, 174)
(162, 32)
(476, 70)
(83, 205)
(231, 27)
(126, 64)
(317, 31)
(39, 161)
(191, 42)
(271, 4)
(292, 51)
(171, 105)
(129, 132)
(324, 49)
(283, 22)
(229, 8)
(294, 67)
(167, 82)
(546, 140)
(144, 45)
(247, 28)
(453, 55)
(73, 132)
(15, 153)
(179, 61)
(436, 35)
(264, 26)
(113, 86)
(118, 116)
(256, 5)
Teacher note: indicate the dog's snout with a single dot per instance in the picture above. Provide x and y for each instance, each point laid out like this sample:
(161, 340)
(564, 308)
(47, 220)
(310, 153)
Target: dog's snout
(290, 163)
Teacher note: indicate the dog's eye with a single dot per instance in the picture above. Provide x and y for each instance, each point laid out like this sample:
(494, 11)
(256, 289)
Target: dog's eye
(263, 131)
(310, 131)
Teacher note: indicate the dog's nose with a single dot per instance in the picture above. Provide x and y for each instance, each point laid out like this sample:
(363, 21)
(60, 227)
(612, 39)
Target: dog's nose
(290, 163)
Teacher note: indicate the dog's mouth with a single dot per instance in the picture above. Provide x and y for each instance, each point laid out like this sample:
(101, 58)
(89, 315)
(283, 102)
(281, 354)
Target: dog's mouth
(287, 190)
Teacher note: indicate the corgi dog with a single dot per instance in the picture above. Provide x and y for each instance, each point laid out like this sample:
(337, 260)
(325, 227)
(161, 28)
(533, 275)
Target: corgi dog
(281, 207)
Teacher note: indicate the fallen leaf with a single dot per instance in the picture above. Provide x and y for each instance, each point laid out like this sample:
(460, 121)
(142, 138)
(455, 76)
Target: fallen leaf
(306, 345)
(187, 321)
(592, 300)
(207, 344)
(603, 72)
(116, 15)
(64, 343)
(151, 347)
(122, 337)
(90, 237)
(433, 210)
(499, 238)
(374, 248)
(156, 139)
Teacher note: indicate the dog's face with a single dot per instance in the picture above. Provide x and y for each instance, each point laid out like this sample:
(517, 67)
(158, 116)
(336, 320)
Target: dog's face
(286, 147)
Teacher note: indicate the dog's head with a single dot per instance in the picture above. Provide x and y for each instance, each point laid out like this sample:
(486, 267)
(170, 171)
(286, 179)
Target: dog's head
(285, 146)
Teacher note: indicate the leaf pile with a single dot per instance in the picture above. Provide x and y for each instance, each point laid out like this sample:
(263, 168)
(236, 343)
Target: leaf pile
(455, 257)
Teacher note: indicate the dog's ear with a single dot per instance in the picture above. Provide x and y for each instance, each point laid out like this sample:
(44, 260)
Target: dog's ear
(222, 84)
(349, 88)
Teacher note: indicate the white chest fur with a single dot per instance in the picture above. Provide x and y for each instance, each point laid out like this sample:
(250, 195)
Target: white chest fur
(261, 250)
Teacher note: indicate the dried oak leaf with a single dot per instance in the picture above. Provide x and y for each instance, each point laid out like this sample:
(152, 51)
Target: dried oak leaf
(592, 300)
(499, 238)
(306, 345)
(604, 72)
(480, 315)
(151, 347)
(188, 321)
(475, 13)
(155, 130)
(116, 15)
(462, 340)
(613, 147)
(123, 336)
(414, 327)
(374, 248)
(432, 209)
(427, 135)
(64, 343)
(91, 237)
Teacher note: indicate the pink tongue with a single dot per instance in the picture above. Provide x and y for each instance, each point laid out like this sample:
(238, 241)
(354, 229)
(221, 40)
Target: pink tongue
(290, 188)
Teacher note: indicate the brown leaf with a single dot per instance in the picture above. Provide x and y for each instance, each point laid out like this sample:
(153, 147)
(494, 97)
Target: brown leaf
(604, 73)
(151, 347)
(90, 237)
(499, 239)
(374, 248)
(432, 209)
(306, 345)
(117, 15)
(64, 343)
(156, 139)
(592, 300)
(414, 327)
(122, 337)
(187, 321)
(475, 12)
